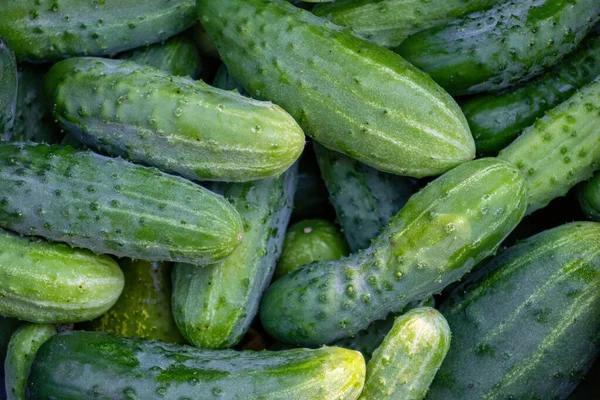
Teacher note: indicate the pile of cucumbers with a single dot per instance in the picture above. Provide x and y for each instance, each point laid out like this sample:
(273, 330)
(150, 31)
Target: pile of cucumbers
(270, 199)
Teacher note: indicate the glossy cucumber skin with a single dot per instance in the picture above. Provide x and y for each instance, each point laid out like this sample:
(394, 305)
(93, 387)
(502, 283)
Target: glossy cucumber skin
(589, 198)
(364, 198)
(214, 306)
(8, 90)
(48, 30)
(438, 236)
(174, 123)
(224, 80)
(78, 365)
(526, 326)
(111, 206)
(561, 149)
(497, 48)
(53, 283)
(497, 119)
(348, 94)
(23, 345)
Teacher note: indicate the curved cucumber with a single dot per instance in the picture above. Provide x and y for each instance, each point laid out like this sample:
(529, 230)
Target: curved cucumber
(438, 236)
(348, 94)
(8, 90)
(110, 366)
(23, 345)
(214, 305)
(174, 123)
(526, 326)
(589, 198)
(499, 47)
(111, 206)
(224, 80)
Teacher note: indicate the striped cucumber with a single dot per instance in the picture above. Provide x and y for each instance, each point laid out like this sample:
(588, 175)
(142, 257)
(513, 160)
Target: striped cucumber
(214, 306)
(497, 48)
(112, 206)
(349, 94)
(438, 236)
(174, 123)
(79, 365)
(8, 90)
(589, 198)
(526, 326)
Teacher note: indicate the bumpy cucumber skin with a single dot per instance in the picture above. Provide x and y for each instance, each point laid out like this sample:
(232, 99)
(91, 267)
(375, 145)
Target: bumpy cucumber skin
(78, 365)
(48, 30)
(8, 90)
(144, 308)
(497, 48)
(23, 345)
(526, 326)
(589, 198)
(364, 198)
(437, 237)
(348, 94)
(214, 305)
(561, 149)
(111, 206)
(224, 80)
(174, 123)
(53, 283)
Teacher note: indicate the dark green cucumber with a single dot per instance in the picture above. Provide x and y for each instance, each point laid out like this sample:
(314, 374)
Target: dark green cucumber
(526, 326)
(111, 206)
(174, 123)
(437, 237)
(223, 80)
(8, 90)
(589, 198)
(561, 149)
(7, 327)
(48, 30)
(144, 308)
(79, 365)
(214, 305)
(347, 93)
(364, 198)
(497, 48)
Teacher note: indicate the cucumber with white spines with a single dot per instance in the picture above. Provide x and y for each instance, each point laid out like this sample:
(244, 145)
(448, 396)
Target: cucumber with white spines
(589, 198)
(8, 90)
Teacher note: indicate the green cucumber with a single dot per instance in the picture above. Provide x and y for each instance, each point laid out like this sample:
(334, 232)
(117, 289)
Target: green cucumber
(7, 327)
(309, 241)
(23, 345)
(205, 45)
(349, 94)
(526, 326)
(53, 283)
(8, 90)
(438, 236)
(174, 123)
(214, 306)
(561, 149)
(497, 48)
(497, 119)
(79, 365)
(311, 200)
(404, 366)
(144, 308)
(364, 198)
(589, 198)
(223, 80)
(111, 206)
(48, 30)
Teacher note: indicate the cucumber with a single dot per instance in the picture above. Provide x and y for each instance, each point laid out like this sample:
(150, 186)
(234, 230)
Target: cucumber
(349, 94)
(223, 80)
(7, 327)
(23, 345)
(561, 149)
(312, 198)
(589, 198)
(309, 241)
(79, 365)
(497, 48)
(205, 45)
(53, 283)
(496, 119)
(174, 123)
(8, 90)
(214, 306)
(111, 206)
(144, 308)
(526, 326)
(48, 30)
(364, 198)
(438, 236)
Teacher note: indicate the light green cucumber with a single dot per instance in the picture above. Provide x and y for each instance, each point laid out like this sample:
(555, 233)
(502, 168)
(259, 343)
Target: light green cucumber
(174, 123)
(589, 198)
(8, 90)
(348, 94)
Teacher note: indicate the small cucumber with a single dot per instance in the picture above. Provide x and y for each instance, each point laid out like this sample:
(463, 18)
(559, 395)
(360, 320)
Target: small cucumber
(223, 80)
(589, 198)
(526, 326)
(8, 90)
(111, 206)
(347, 93)
(80, 365)
(174, 123)
(438, 236)
(494, 49)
